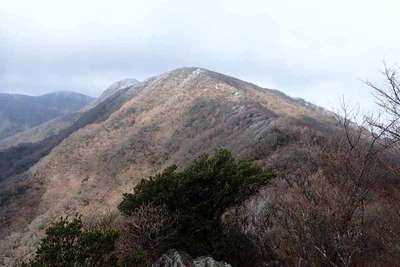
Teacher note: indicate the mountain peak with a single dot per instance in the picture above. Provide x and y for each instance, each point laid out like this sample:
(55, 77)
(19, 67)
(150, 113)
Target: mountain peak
(122, 84)
(191, 72)
(112, 89)
(63, 93)
(119, 85)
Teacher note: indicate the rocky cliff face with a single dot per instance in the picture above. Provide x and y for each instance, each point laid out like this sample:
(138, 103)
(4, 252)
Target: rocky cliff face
(168, 119)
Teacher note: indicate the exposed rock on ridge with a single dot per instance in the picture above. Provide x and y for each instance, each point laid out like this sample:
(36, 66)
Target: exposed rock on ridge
(175, 258)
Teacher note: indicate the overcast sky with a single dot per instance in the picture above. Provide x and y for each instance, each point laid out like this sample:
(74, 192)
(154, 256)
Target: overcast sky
(314, 49)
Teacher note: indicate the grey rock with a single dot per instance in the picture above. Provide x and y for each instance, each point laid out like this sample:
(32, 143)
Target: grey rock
(175, 258)
(209, 262)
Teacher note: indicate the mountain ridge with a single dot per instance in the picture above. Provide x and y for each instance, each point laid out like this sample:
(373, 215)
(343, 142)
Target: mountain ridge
(167, 119)
(56, 125)
(21, 112)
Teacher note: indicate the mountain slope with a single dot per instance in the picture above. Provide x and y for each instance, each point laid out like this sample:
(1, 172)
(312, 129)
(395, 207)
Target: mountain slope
(40, 132)
(16, 160)
(20, 112)
(55, 126)
(168, 119)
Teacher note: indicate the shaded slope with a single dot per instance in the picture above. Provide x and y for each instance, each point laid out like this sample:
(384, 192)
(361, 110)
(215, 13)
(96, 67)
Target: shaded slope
(40, 132)
(20, 112)
(16, 160)
(55, 126)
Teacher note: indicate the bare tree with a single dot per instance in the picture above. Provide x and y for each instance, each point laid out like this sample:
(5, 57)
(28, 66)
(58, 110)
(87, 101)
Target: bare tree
(324, 212)
(150, 226)
(388, 99)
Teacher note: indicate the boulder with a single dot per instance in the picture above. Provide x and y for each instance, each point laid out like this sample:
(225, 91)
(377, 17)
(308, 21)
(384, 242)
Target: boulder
(174, 258)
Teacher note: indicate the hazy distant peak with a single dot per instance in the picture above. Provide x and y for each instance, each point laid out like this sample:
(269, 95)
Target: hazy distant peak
(112, 89)
(19, 113)
(64, 94)
(57, 94)
(122, 84)
(118, 86)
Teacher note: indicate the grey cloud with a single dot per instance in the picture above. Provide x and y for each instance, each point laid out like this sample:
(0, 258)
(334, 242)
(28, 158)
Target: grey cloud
(313, 50)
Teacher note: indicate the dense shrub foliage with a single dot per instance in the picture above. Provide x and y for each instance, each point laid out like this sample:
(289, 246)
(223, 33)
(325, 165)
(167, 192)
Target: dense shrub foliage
(174, 209)
(67, 244)
(198, 196)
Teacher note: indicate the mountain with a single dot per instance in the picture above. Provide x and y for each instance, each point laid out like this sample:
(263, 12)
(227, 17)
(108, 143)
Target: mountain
(40, 132)
(138, 131)
(19, 113)
(112, 89)
(55, 126)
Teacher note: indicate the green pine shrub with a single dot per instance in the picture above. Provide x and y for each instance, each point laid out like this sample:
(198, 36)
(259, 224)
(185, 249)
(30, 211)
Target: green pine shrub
(198, 196)
(67, 244)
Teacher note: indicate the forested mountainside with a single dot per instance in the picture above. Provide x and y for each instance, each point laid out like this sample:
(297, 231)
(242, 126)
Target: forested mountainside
(19, 113)
(55, 126)
(172, 119)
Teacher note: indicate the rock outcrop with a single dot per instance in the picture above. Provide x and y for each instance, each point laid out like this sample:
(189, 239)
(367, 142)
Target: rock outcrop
(174, 258)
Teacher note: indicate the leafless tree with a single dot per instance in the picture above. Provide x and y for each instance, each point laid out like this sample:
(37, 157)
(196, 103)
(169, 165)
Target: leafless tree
(150, 226)
(388, 99)
(324, 212)
(145, 230)
(102, 221)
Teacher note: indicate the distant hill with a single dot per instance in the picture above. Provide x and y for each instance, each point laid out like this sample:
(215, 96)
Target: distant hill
(55, 126)
(19, 113)
(40, 132)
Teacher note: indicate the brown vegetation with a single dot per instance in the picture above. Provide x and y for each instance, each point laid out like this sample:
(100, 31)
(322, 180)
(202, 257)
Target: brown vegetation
(334, 202)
